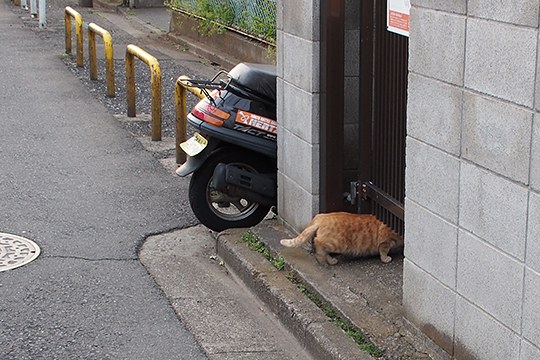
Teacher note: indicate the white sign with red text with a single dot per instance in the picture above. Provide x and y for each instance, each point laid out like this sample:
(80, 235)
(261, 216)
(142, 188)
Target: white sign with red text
(397, 16)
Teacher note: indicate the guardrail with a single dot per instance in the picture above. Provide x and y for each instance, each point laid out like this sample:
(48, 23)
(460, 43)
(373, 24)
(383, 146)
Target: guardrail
(69, 13)
(180, 96)
(133, 51)
(94, 29)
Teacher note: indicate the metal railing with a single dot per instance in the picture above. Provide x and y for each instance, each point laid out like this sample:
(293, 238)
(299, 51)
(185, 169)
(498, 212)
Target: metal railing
(69, 13)
(133, 51)
(94, 29)
(180, 97)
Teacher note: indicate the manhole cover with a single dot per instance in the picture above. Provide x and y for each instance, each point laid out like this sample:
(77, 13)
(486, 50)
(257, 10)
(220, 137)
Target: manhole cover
(16, 251)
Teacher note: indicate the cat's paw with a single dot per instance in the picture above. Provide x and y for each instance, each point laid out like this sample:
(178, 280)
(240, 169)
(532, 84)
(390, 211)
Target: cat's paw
(386, 259)
(331, 260)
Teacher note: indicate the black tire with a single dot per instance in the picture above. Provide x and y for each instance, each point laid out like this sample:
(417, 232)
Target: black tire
(216, 215)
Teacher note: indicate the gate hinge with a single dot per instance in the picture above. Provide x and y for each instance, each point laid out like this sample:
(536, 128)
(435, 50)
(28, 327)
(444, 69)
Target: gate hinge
(364, 190)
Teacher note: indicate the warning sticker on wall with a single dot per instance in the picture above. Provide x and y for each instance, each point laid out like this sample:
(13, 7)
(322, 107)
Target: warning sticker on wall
(397, 17)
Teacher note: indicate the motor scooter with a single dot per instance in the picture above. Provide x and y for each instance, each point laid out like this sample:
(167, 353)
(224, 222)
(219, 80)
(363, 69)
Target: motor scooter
(233, 154)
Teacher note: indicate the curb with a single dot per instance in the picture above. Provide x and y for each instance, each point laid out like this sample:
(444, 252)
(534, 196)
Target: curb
(304, 319)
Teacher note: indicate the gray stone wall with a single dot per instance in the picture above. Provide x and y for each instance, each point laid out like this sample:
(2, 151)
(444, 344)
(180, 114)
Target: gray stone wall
(472, 268)
(298, 60)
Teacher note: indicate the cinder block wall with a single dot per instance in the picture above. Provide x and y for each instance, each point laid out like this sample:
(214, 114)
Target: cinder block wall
(298, 110)
(298, 64)
(472, 267)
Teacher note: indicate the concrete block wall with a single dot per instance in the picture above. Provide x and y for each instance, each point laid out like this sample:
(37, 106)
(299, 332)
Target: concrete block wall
(472, 238)
(298, 101)
(298, 63)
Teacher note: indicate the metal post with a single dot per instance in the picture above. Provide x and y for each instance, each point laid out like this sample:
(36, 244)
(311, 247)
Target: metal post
(155, 80)
(180, 96)
(42, 14)
(181, 114)
(133, 51)
(130, 84)
(69, 13)
(92, 60)
(33, 8)
(366, 98)
(94, 29)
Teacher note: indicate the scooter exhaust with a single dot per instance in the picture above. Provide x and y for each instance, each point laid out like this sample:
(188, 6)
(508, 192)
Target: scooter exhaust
(259, 188)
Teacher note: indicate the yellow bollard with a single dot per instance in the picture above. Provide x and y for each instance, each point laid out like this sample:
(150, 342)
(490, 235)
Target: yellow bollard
(69, 13)
(180, 95)
(133, 51)
(94, 29)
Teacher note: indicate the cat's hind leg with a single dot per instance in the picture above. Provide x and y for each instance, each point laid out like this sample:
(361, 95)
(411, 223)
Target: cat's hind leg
(384, 248)
(323, 257)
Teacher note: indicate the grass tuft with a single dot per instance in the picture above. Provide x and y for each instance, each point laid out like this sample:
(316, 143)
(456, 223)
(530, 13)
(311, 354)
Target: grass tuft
(259, 246)
(358, 337)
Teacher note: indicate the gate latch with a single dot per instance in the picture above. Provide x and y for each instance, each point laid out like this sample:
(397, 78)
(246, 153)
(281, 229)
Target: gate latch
(352, 195)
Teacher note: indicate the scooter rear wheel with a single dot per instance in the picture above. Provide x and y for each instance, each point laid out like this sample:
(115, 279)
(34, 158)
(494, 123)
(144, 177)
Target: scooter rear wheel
(219, 211)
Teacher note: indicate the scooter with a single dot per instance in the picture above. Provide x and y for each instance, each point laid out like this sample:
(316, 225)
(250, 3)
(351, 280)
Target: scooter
(233, 155)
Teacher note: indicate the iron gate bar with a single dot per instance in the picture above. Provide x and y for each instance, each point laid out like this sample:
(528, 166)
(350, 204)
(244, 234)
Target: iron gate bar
(383, 85)
(390, 86)
(366, 97)
(384, 199)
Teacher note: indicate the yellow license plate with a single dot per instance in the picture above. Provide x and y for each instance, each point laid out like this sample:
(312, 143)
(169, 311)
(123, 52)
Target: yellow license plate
(194, 145)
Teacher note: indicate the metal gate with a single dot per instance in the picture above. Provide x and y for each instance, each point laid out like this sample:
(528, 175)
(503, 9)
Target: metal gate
(382, 123)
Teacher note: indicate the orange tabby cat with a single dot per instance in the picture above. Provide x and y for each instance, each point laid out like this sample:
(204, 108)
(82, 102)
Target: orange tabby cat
(345, 233)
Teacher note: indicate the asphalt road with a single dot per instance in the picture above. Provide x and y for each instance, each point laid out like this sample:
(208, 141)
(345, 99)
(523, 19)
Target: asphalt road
(78, 184)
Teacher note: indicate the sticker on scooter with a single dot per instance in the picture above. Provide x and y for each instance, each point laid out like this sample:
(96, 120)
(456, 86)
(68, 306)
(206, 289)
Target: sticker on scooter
(256, 121)
(194, 145)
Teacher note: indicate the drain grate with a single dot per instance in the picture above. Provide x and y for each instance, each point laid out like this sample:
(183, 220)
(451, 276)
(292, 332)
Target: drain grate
(16, 251)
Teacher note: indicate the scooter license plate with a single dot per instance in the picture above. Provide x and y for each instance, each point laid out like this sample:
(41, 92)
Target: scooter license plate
(194, 145)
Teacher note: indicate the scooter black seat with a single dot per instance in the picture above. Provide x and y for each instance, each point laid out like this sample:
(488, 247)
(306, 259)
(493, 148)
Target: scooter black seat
(258, 78)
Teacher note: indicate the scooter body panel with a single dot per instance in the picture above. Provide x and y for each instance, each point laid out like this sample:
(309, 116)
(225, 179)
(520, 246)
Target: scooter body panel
(246, 139)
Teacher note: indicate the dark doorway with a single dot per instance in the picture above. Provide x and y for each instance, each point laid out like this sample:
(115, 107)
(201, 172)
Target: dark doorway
(382, 123)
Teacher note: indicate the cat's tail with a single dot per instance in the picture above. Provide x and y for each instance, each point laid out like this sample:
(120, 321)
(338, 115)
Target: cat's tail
(307, 235)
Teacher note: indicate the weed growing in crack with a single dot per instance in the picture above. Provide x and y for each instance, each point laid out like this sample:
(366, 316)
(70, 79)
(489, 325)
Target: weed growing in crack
(259, 246)
(358, 337)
